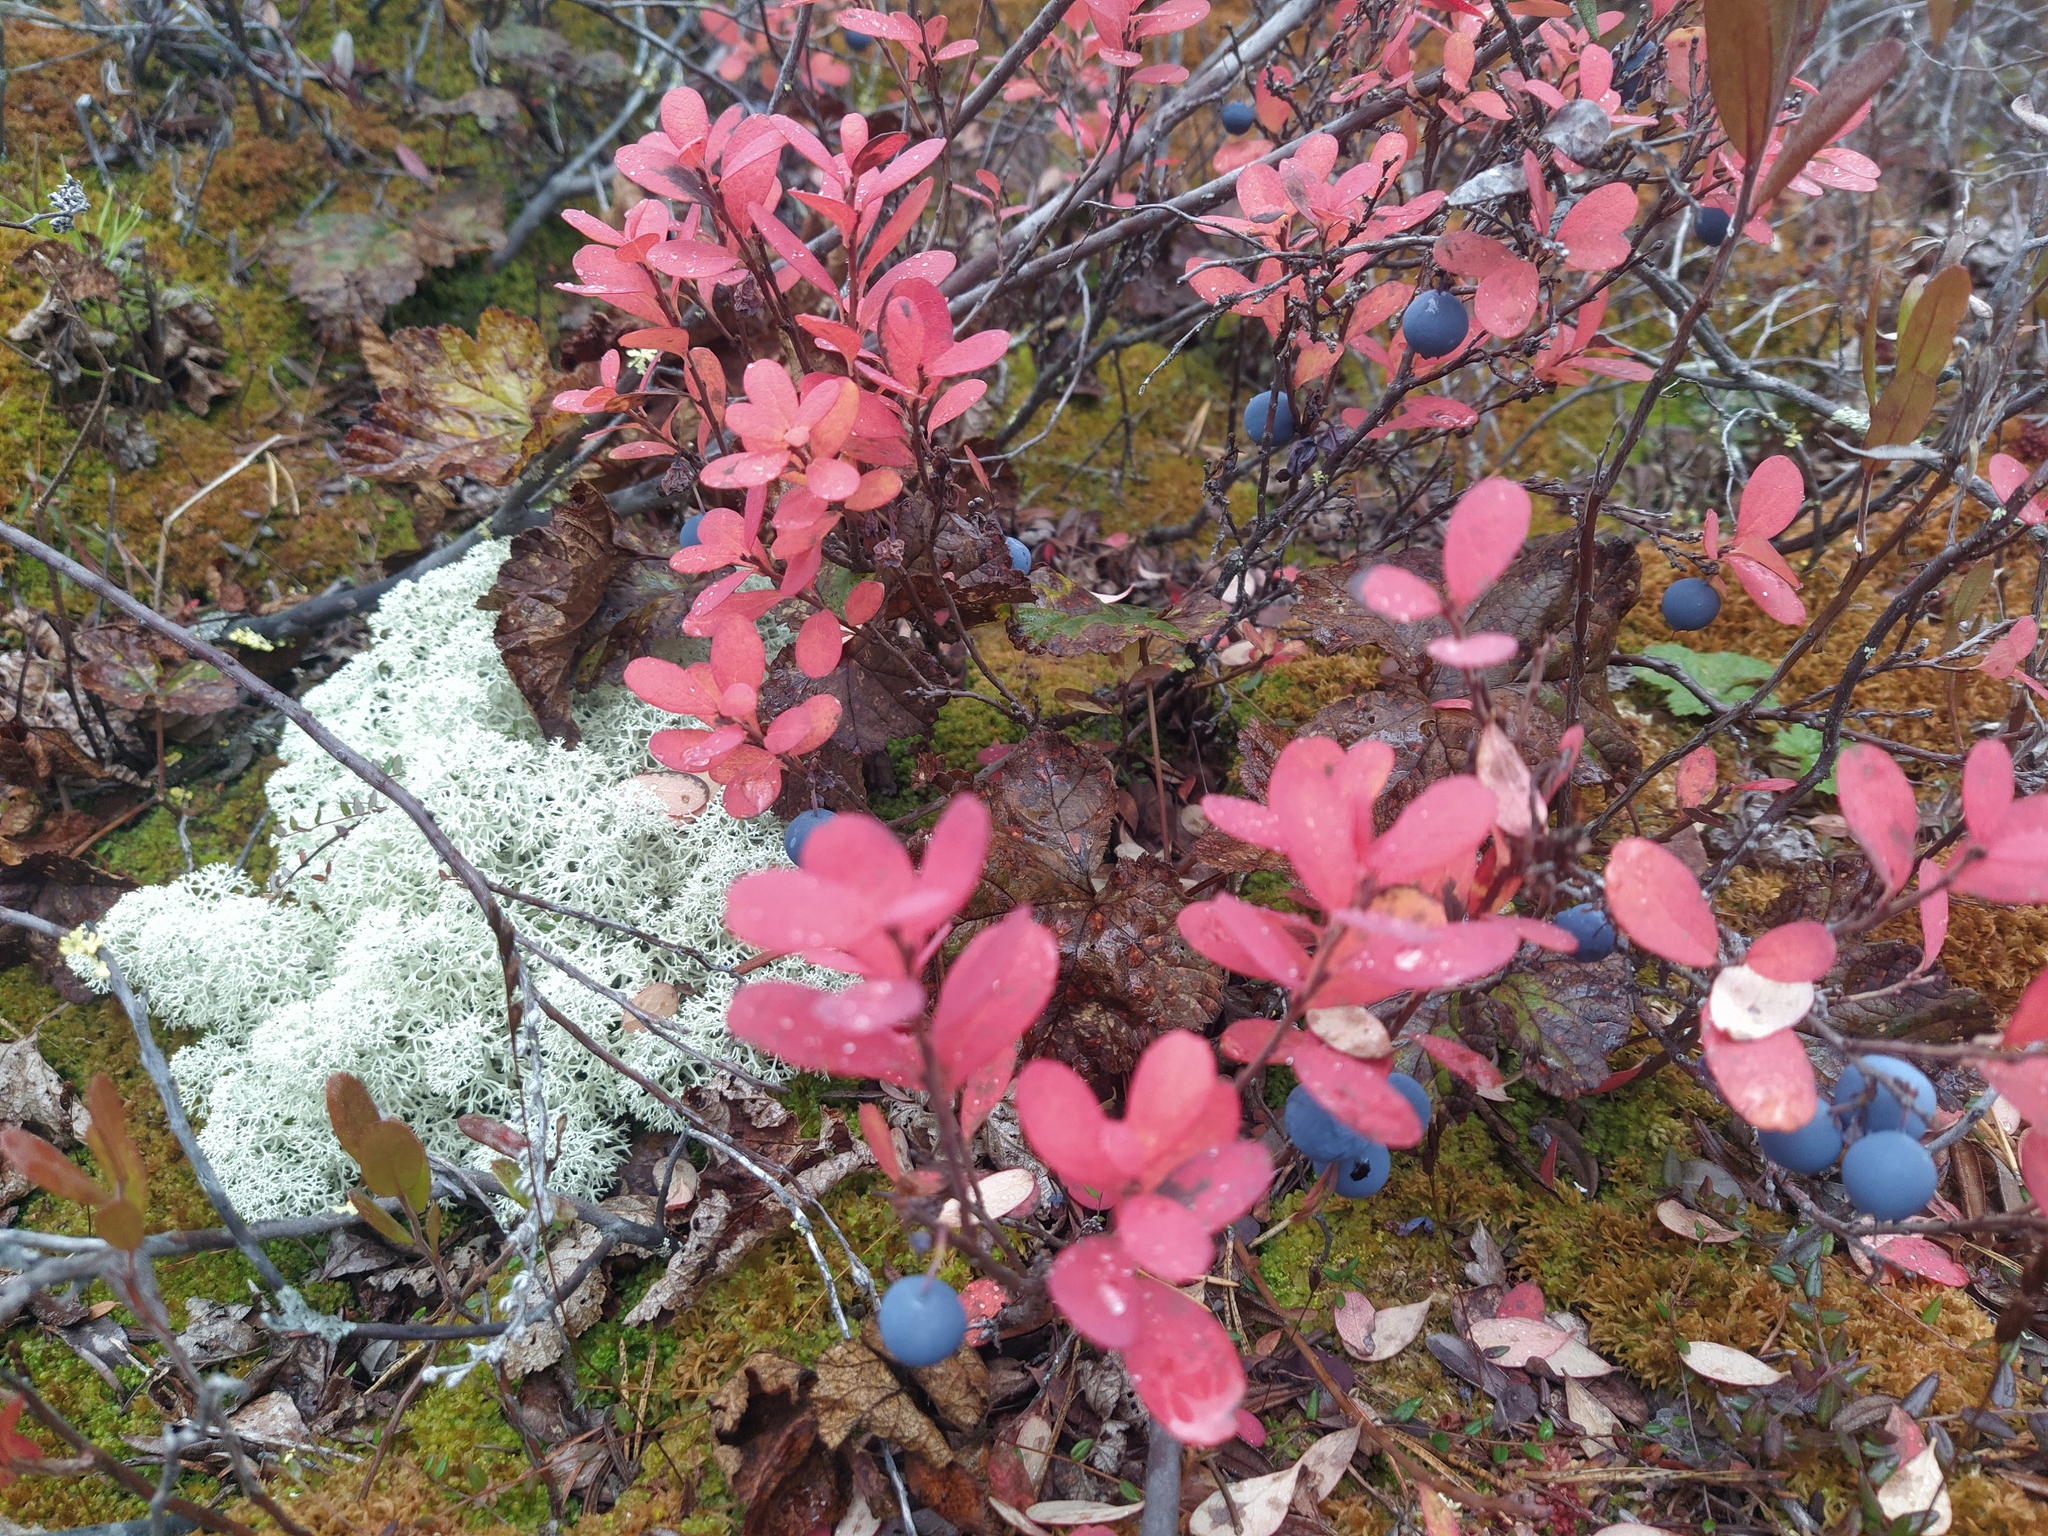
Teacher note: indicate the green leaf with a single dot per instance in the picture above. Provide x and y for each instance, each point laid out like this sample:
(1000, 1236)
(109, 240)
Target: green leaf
(1069, 620)
(1728, 675)
(1925, 337)
(1803, 744)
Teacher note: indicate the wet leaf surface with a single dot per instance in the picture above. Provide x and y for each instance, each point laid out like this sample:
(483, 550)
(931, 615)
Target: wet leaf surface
(1564, 1018)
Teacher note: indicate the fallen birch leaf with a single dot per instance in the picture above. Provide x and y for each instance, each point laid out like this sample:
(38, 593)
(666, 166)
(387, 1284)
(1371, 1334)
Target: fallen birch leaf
(1488, 1266)
(1355, 1318)
(1012, 1517)
(1396, 1328)
(1083, 1512)
(1597, 1421)
(1001, 1193)
(859, 1520)
(1688, 1223)
(1575, 1361)
(1324, 1462)
(1918, 1486)
(1261, 1504)
(1512, 1342)
(1730, 1367)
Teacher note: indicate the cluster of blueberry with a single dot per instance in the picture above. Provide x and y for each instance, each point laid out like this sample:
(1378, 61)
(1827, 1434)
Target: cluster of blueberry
(1887, 1103)
(1362, 1164)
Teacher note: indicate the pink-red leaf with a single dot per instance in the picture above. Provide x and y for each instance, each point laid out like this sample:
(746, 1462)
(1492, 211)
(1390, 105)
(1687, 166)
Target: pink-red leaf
(1592, 233)
(1184, 1367)
(1657, 903)
(1878, 804)
(1395, 594)
(1802, 951)
(1769, 1082)
(857, 1032)
(1486, 531)
(993, 992)
(817, 644)
(1092, 1282)
(1356, 1093)
(1771, 499)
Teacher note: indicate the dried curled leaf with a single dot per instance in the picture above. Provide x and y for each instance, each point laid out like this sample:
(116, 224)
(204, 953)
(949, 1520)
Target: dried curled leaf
(350, 267)
(453, 404)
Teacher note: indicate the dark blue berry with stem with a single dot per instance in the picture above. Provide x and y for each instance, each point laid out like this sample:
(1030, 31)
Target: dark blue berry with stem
(920, 1241)
(1271, 411)
(1239, 117)
(1020, 553)
(1434, 324)
(799, 831)
(1691, 603)
(1319, 1135)
(1889, 1175)
(1710, 225)
(1900, 1098)
(1811, 1148)
(1363, 1174)
(1589, 923)
(922, 1321)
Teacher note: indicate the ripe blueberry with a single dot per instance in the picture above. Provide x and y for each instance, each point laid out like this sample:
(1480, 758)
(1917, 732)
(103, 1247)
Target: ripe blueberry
(1319, 1135)
(920, 1241)
(1269, 403)
(1889, 1175)
(690, 538)
(1364, 1173)
(1809, 1149)
(922, 1320)
(859, 42)
(1901, 1099)
(1416, 1095)
(1710, 225)
(799, 831)
(1434, 324)
(1589, 923)
(1238, 117)
(1691, 603)
(1020, 553)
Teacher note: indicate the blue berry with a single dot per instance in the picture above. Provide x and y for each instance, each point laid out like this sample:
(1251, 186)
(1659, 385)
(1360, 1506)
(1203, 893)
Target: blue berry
(1434, 324)
(1889, 1175)
(1364, 1173)
(1691, 603)
(1416, 1095)
(1320, 1136)
(1811, 1148)
(690, 538)
(799, 831)
(1281, 409)
(1898, 1084)
(859, 42)
(1020, 553)
(922, 1320)
(920, 1242)
(1710, 225)
(1239, 116)
(1589, 923)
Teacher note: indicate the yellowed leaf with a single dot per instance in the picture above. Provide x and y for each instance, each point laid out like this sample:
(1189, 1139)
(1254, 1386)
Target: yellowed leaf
(1689, 1223)
(1730, 1367)
(1081, 1512)
(1925, 337)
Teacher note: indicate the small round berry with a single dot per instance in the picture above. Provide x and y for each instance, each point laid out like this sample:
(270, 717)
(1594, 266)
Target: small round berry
(1262, 406)
(1589, 923)
(1434, 324)
(1811, 1148)
(799, 831)
(1364, 1173)
(1020, 553)
(1416, 1095)
(690, 537)
(1691, 603)
(859, 42)
(922, 1321)
(1889, 1175)
(1901, 1100)
(1239, 117)
(1710, 225)
(1319, 1135)
(920, 1241)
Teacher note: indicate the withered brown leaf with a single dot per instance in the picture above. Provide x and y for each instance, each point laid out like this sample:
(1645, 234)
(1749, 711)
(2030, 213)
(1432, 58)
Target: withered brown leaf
(546, 594)
(451, 403)
(1563, 1017)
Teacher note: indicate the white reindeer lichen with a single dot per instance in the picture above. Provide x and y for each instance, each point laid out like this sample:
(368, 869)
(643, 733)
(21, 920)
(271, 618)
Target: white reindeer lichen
(366, 957)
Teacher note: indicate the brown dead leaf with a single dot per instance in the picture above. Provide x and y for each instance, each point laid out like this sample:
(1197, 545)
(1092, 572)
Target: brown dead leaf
(545, 596)
(131, 671)
(350, 267)
(452, 404)
(856, 1393)
(766, 1443)
(1564, 1017)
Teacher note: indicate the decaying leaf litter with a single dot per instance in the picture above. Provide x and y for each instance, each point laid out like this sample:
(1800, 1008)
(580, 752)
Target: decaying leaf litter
(1584, 1299)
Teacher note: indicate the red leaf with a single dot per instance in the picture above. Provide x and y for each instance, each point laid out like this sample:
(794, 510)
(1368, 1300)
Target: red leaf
(1439, 829)
(1486, 531)
(1474, 653)
(984, 349)
(1395, 594)
(863, 602)
(694, 751)
(1164, 1238)
(48, 1169)
(874, 1129)
(1771, 499)
(955, 402)
(852, 1033)
(817, 644)
(1800, 951)
(1184, 1367)
(1222, 1184)
(2029, 1022)
(1356, 1093)
(896, 28)
(1064, 1124)
(1092, 1282)
(1657, 903)
(1988, 788)
(679, 690)
(1918, 1256)
(1769, 1082)
(1696, 776)
(1877, 802)
(1462, 1062)
(2034, 1162)
(805, 728)
(1592, 232)
(1506, 300)
(993, 992)
(1933, 915)
(1243, 938)
(1308, 796)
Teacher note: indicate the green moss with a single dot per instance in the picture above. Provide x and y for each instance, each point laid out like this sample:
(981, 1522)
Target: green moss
(220, 818)
(1292, 692)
